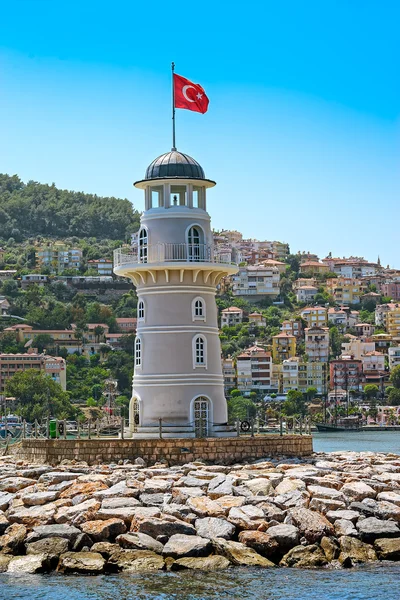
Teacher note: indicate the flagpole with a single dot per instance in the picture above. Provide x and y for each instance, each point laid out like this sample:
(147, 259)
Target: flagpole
(173, 107)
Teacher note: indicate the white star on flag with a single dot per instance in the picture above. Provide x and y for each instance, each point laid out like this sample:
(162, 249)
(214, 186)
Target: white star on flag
(199, 96)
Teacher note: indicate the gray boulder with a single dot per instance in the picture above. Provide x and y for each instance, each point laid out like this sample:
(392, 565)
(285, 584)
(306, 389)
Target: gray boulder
(171, 526)
(371, 529)
(41, 532)
(214, 527)
(139, 541)
(180, 546)
(52, 547)
(33, 563)
(306, 557)
(81, 562)
(208, 563)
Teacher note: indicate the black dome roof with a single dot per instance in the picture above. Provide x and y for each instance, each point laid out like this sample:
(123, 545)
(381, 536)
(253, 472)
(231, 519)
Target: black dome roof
(174, 164)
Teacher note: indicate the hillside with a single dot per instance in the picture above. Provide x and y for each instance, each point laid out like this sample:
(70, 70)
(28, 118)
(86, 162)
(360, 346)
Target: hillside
(32, 209)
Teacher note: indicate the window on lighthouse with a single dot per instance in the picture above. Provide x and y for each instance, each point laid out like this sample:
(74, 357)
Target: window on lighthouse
(138, 352)
(143, 245)
(199, 348)
(140, 310)
(198, 310)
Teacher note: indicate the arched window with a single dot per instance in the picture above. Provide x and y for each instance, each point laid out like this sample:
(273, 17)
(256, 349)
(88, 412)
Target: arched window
(143, 245)
(138, 352)
(195, 247)
(198, 310)
(140, 310)
(199, 351)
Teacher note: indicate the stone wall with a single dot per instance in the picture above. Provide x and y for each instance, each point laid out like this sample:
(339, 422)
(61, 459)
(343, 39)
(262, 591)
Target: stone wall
(175, 451)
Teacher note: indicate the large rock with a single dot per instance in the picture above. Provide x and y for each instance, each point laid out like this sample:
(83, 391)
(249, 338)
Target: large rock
(106, 549)
(41, 532)
(208, 563)
(119, 502)
(81, 562)
(306, 557)
(15, 484)
(83, 488)
(84, 511)
(345, 527)
(388, 549)
(289, 485)
(117, 491)
(139, 541)
(296, 498)
(102, 531)
(222, 485)
(393, 497)
(371, 528)
(181, 494)
(57, 477)
(326, 492)
(155, 486)
(261, 542)
(271, 512)
(4, 523)
(324, 505)
(180, 546)
(4, 562)
(213, 527)
(349, 515)
(357, 491)
(387, 510)
(260, 486)
(239, 554)
(228, 502)
(330, 547)
(38, 498)
(246, 517)
(5, 499)
(13, 538)
(136, 561)
(33, 563)
(287, 536)
(33, 516)
(154, 499)
(311, 524)
(171, 526)
(353, 551)
(205, 507)
(52, 547)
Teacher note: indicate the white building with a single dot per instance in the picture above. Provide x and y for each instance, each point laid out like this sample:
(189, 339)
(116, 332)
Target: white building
(317, 344)
(178, 383)
(254, 367)
(394, 357)
(306, 293)
(257, 282)
(231, 316)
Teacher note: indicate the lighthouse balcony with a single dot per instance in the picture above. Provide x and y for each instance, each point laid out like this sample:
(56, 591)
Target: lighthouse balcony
(162, 253)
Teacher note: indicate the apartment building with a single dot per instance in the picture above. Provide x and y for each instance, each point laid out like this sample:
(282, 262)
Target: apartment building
(373, 362)
(283, 347)
(257, 319)
(293, 327)
(306, 294)
(394, 357)
(317, 344)
(313, 267)
(356, 348)
(256, 282)
(58, 257)
(299, 375)
(102, 266)
(337, 316)
(10, 364)
(364, 329)
(392, 290)
(382, 311)
(346, 290)
(393, 322)
(63, 338)
(315, 315)
(353, 267)
(254, 367)
(345, 373)
(229, 374)
(231, 316)
(33, 279)
(127, 324)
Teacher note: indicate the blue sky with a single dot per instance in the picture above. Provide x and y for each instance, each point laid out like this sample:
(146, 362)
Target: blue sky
(302, 132)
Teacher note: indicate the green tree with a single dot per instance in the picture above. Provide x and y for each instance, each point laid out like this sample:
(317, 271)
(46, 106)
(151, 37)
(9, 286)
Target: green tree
(241, 408)
(294, 404)
(43, 341)
(311, 392)
(395, 377)
(394, 397)
(38, 395)
(371, 391)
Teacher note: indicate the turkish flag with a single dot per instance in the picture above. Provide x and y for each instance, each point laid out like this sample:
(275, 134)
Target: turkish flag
(189, 95)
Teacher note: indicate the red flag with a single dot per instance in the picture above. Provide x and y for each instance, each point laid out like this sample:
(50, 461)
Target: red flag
(189, 95)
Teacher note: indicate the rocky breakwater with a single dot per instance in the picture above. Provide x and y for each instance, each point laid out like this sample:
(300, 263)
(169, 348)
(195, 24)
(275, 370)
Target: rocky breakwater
(340, 509)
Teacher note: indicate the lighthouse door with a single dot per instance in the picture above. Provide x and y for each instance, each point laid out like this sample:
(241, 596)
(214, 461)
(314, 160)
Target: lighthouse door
(201, 410)
(194, 248)
(135, 414)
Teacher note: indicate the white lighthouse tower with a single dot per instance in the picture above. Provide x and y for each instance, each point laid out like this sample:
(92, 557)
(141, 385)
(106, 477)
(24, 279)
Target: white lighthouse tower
(177, 382)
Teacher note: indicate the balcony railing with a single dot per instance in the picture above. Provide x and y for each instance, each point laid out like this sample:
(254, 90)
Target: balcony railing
(160, 253)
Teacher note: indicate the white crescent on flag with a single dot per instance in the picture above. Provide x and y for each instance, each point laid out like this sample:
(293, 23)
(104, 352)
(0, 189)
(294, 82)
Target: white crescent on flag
(185, 87)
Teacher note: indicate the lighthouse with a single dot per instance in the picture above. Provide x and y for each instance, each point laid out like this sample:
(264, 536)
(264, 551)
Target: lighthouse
(178, 388)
